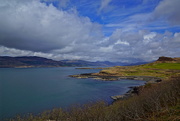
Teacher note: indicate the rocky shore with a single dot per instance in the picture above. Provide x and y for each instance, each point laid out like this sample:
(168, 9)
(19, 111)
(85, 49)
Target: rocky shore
(131, 92)
(148, 79)
(164, 68)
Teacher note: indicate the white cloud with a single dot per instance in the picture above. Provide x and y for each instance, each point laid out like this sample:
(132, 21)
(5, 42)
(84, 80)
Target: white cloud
(144, 45)
(121, 42)
(62, 3)
(104, 5)
(148, 46)
(149, 37)
(4, 51)
(108, 49)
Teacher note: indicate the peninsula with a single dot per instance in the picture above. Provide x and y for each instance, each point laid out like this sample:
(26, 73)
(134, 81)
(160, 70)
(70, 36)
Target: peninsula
(162, 69)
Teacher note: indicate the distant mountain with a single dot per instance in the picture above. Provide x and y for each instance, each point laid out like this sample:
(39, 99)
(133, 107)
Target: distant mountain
(137, 63)
(34, 61)
(28, 61)
(79, 63)
(87, 63)
(99, 63)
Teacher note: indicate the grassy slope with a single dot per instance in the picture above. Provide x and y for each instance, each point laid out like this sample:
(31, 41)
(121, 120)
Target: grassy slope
(163, 70)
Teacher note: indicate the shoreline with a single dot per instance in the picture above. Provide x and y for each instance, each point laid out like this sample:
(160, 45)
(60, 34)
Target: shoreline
(134, 90)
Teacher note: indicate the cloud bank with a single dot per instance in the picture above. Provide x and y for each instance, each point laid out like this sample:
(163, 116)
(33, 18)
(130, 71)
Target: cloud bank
(33, 28)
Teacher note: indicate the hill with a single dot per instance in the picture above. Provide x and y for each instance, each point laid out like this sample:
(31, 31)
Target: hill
(28, 61)
(34, 61)
(164, 67)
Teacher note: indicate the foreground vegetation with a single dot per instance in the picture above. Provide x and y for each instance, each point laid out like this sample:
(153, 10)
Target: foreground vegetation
(155, 102)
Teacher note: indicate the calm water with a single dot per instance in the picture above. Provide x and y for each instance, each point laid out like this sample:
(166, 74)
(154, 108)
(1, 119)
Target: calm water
(32, 90)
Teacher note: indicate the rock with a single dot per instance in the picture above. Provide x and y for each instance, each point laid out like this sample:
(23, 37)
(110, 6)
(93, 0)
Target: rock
(131, 92)
(117, 97)
(165, 59)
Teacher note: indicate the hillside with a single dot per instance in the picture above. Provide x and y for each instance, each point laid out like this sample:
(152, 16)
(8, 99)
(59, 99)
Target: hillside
(164, 67)
(28, 61)
(34, 61)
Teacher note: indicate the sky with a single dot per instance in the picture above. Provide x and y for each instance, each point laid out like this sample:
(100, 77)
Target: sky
(92, 30)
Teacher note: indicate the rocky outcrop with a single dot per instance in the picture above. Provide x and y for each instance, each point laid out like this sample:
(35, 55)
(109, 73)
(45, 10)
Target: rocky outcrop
(165, 59)
(148, 79)
(131, 92)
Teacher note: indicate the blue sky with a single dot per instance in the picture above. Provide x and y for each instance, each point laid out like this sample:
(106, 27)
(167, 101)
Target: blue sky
(94, 30)
(111, 12)
(115, 12)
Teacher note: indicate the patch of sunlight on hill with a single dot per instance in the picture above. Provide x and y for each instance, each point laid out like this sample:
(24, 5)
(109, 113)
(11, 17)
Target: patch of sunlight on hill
(175, 66)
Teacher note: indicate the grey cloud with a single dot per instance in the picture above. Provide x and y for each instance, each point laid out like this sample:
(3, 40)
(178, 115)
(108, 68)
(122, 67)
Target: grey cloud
(32, 28)
(149, 46)
(168, 9)
(37, 27)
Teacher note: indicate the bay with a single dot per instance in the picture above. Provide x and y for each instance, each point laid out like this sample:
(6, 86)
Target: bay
(33, 90)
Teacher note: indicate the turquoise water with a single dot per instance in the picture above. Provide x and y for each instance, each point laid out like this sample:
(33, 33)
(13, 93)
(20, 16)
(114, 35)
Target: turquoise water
(32, 90)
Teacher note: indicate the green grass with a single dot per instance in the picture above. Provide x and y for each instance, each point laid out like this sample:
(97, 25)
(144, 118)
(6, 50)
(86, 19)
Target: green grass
(175, 66)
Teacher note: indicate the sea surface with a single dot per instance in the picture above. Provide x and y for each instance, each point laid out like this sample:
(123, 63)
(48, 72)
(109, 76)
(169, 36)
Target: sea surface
(33, 90)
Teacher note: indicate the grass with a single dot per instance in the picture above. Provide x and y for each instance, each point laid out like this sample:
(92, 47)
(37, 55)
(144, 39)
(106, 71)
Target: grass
(163, 70)
(174, 66)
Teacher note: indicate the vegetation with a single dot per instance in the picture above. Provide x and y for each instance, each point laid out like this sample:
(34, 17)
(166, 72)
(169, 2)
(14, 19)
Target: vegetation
(155, 102)
(174, 66)
(163, 70)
